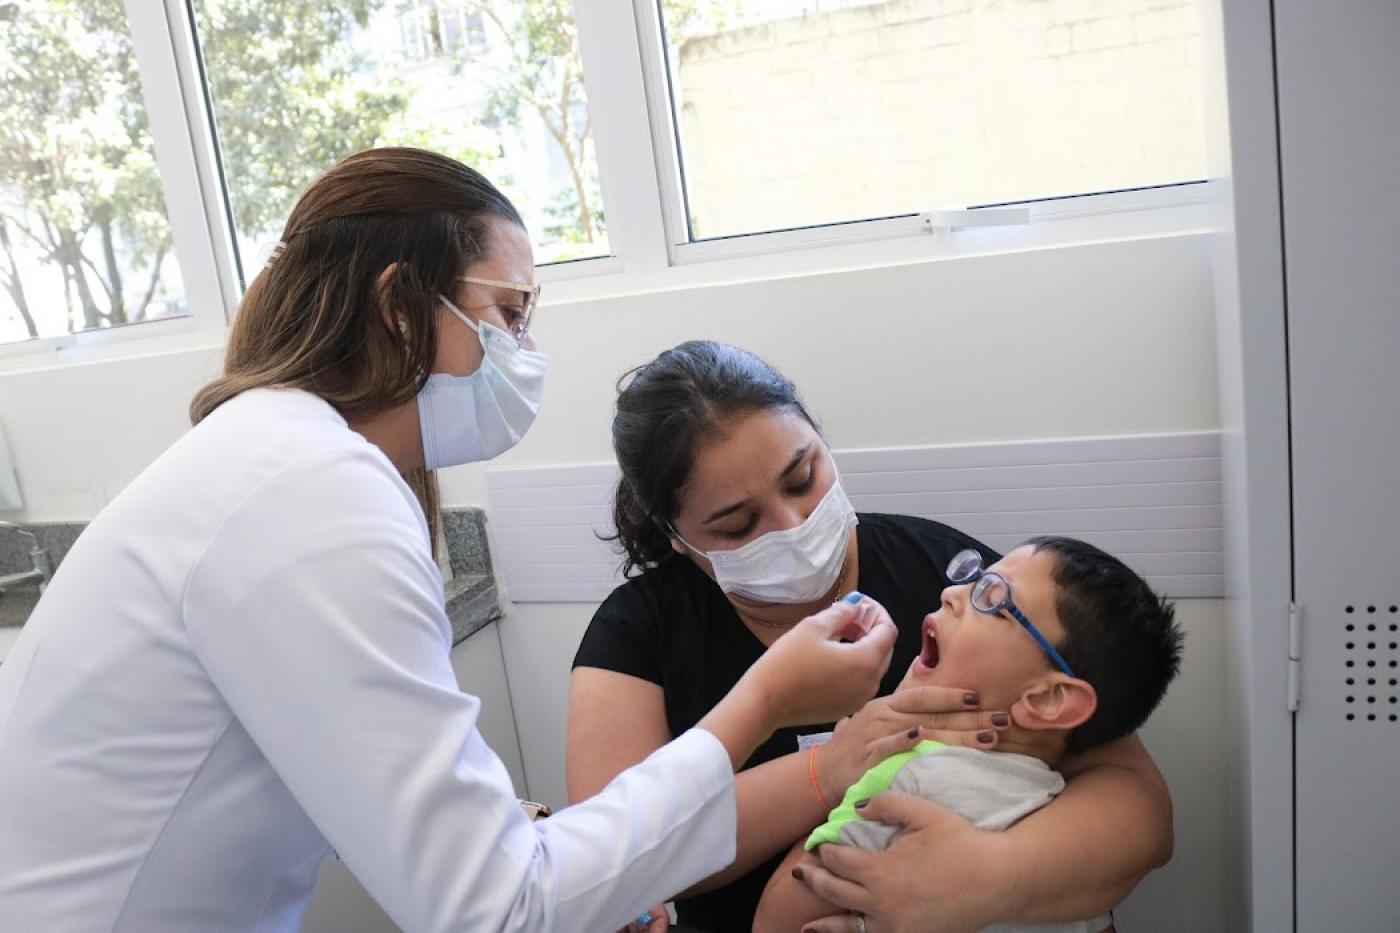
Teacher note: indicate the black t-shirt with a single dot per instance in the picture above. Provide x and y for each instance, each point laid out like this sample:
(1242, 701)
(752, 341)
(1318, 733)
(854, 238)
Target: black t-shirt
(674, 627)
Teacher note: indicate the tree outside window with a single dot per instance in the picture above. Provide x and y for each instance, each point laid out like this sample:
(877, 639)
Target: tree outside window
(84, 241)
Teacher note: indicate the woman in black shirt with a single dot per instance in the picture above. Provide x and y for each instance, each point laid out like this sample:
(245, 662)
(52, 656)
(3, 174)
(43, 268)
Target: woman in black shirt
(731, 508)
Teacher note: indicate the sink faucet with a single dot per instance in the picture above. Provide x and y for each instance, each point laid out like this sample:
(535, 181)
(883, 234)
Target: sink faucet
(42, 567)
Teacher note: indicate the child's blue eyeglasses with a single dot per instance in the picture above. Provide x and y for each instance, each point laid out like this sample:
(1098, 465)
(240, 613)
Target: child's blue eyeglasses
(991, 595)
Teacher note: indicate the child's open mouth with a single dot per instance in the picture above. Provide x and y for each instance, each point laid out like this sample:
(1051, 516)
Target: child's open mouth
(929, 655)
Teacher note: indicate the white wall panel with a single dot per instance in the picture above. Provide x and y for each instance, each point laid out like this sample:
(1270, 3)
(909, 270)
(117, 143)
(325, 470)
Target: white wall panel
(1154, 500)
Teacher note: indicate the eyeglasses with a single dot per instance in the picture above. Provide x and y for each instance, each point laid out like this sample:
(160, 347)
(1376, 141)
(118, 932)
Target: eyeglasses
(521, 328)
(991, 595)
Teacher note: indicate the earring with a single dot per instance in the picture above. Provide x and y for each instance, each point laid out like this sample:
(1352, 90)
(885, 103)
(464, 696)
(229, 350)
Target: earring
(403, 326)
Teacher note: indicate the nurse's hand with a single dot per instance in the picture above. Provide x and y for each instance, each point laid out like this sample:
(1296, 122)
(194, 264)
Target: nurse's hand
(660, 921)
(941, 875)
(887, 725)
(811, 675)
(808, 675)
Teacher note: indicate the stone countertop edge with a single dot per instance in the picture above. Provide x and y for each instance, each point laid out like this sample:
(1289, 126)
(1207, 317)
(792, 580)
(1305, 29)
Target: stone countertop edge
(472, 604)
(470, 596)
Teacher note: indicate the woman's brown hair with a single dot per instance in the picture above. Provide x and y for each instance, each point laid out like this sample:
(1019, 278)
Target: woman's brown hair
(314, 318)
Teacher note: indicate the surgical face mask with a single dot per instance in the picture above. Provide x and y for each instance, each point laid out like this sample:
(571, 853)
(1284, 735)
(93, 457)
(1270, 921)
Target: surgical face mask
(795, 565)
(465, 419)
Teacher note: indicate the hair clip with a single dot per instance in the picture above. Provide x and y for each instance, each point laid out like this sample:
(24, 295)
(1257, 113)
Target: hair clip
(269, 254)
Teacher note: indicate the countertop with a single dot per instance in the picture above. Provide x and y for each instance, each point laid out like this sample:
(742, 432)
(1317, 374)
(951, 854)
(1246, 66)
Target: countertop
(15, 605)
(471, 606)
(470, 594)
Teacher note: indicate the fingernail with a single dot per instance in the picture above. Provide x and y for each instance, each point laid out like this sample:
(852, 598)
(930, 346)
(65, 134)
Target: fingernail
(1001, 719)
(986, 738)
(853, 597)
(860, 804)
(797, 873)
(971, 698)
(914, 732)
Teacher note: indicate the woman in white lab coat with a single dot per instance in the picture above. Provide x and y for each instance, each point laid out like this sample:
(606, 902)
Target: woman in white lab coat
(244, 660)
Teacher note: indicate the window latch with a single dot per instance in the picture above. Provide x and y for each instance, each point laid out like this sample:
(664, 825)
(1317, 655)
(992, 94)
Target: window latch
(940, 223)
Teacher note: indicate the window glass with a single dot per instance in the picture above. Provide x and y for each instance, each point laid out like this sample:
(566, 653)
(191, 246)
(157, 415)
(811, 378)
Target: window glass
(297, 86)
(799, 112)
(84, 240)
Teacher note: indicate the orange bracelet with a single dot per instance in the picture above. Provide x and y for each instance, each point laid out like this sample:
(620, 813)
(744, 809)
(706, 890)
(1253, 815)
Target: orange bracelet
(812, 773)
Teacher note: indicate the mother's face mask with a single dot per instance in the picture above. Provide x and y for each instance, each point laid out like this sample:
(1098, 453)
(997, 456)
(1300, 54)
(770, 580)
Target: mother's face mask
(466, 419)
(791, 565)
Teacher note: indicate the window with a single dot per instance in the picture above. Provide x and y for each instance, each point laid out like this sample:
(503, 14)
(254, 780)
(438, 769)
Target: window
(794, 113)
(429, 29)
(811, 122)
(496, 83)
(84, 238)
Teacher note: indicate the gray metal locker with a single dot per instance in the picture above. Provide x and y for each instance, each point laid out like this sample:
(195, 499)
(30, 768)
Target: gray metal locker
(1305, 132)
(1338, 83)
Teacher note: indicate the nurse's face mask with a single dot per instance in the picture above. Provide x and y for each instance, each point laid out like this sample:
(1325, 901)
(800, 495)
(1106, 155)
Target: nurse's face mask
(465, 419)
(794, 565)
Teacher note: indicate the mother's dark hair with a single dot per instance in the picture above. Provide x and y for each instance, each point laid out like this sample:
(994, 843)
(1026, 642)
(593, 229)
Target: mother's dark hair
(665, 410)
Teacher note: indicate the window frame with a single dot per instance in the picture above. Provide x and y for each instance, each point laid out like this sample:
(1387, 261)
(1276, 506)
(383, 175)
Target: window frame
(670, 171)
(636, 142)
(174, 145)
(197, 134)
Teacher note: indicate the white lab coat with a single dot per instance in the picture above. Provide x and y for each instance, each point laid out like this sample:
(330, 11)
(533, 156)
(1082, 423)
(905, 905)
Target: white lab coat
(244, 662)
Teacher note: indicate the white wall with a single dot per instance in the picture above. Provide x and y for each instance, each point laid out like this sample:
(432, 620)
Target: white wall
(79, 433)
(1102, 338)
(1098, 338)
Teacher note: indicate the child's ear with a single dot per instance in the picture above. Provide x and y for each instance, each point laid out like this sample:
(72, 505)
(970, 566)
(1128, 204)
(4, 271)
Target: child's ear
(1057, 701)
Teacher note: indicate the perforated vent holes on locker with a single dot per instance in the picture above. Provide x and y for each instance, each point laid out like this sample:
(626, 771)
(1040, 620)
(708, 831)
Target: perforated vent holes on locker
(1372, 659)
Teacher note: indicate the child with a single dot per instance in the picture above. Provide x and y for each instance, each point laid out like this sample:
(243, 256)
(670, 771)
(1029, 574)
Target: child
(1080, 656)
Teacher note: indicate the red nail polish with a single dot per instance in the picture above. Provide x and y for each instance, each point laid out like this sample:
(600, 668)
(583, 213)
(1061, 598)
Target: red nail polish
(797, 873)
(914, 732)
(1001, 719)
(860, 804)
(971, 698)
(986, 738)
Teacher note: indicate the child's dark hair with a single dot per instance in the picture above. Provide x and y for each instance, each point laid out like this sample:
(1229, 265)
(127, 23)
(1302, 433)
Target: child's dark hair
(1119, 636)
(665, 409)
